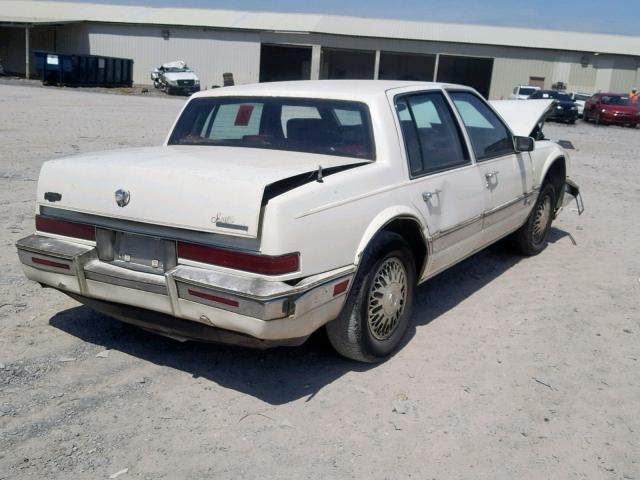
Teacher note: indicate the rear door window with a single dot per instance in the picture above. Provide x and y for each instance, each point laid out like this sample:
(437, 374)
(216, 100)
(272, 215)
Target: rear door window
(432, 137)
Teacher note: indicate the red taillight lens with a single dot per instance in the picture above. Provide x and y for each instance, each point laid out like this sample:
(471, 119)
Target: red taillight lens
(49, 263)
(248, 262)
(62, 227)
(214, 298)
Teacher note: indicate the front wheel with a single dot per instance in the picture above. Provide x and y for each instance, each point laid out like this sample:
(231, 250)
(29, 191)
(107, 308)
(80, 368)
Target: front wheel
(533, 236)
(379, 305)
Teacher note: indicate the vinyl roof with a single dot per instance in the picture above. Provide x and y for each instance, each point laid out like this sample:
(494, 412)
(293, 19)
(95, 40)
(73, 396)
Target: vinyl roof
(27, 11)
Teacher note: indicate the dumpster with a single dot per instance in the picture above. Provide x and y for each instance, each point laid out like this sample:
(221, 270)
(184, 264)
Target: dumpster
(83, 70)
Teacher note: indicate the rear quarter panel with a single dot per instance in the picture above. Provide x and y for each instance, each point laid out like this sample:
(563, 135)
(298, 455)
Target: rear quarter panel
(330, 223)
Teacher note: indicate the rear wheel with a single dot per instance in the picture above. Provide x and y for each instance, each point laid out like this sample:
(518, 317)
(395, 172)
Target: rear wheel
(378, 309)
(533, 236)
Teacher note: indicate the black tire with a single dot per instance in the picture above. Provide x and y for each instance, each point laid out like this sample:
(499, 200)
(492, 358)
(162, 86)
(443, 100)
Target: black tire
(533, 236)
(351, 333)
(572, 121)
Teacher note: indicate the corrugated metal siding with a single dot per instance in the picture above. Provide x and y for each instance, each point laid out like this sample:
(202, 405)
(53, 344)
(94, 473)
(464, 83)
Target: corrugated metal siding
(209, 53)
(509, 72)
(327, 24)
(511, 67)
(583, 77)
(624, 75)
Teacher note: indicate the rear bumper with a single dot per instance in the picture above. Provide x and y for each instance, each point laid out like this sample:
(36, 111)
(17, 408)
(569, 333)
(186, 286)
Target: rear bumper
(264, 310)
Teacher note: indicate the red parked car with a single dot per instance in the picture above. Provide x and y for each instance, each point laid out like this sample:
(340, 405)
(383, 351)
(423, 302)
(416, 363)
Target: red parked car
(611, 108)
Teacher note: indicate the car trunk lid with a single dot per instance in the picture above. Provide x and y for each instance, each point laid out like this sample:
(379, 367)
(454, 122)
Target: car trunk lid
(203, 188)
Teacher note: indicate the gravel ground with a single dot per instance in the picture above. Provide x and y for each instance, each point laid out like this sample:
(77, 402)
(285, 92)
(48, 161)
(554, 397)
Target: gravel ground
(516, 368)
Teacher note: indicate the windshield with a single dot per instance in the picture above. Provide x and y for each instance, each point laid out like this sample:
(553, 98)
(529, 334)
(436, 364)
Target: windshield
(174, 70)
(582, 97)
(328, 127)
(563, 97)
(527, 90)
(616, 100)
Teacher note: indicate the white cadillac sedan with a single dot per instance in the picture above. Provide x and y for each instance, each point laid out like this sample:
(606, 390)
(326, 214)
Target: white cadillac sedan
(275, 209)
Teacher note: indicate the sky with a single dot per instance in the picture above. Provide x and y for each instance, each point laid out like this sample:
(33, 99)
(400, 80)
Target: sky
(613, 16)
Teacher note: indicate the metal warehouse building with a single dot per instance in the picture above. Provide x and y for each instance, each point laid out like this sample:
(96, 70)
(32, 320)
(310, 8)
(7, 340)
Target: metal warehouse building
(259, 46)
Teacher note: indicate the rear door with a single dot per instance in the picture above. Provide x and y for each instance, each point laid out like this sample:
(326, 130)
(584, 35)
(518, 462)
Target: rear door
(444, 184)
(507, 175)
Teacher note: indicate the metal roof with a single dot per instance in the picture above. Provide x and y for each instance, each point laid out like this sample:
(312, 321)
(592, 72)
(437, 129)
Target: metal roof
(16, 11)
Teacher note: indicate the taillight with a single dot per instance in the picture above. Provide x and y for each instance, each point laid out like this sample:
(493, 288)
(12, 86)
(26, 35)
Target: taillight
(248, 262)
(62, 227)
(50, 263)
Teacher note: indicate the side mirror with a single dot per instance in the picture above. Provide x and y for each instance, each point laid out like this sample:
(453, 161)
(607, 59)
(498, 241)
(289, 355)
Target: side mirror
(524, 144)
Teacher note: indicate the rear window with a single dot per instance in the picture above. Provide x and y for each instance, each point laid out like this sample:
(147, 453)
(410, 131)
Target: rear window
(329, 127)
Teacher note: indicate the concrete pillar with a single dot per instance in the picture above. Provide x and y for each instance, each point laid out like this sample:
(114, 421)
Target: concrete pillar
(26, 52)
(316, 51)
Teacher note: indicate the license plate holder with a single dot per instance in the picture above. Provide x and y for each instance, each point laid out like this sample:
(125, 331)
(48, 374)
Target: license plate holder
(144, 253)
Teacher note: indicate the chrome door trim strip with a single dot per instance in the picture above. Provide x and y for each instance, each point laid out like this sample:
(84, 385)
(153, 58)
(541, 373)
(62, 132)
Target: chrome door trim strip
(438, 240)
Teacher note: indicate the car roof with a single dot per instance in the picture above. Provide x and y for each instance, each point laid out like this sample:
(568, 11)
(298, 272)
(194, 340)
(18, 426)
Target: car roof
(350, 89)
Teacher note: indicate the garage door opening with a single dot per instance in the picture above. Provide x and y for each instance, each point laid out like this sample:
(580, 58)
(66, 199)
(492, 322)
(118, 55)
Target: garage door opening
(353, 64)
(406, 66)
(283, 62)
(471, 71)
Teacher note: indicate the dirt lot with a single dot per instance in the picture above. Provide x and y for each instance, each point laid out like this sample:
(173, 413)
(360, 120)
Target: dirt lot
(516, 369)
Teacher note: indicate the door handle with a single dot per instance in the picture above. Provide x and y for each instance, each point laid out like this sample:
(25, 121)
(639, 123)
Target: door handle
(427, 196)
(489, 176)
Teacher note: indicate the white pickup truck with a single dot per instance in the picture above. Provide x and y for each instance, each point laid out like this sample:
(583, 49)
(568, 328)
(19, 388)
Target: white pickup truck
(174, 78)
(275, 209)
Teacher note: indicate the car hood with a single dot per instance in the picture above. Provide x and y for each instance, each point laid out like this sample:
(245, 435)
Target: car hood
(204, 188)
(174, 76)
(522, 117)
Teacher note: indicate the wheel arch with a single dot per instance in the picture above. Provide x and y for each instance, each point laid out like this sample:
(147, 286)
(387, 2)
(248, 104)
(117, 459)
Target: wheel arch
(555, 172)
(406, 223)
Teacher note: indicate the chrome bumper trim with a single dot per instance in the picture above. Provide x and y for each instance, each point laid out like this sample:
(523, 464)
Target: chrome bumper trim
(107, 273)
(251, 297)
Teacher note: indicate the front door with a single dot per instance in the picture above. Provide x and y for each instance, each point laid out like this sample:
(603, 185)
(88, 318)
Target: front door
(445, 186)
(506, 174)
